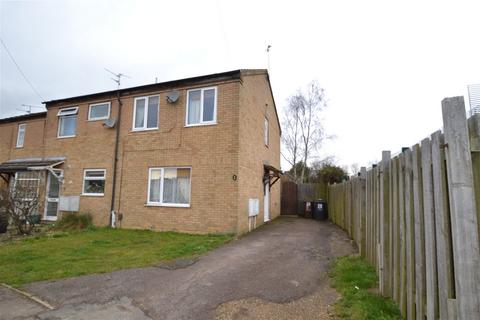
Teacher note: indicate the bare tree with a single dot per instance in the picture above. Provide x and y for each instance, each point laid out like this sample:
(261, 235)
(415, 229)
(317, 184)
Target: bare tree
(303, 132)
(291, 135)
(354, 168)
(310, 104)
(21, 202)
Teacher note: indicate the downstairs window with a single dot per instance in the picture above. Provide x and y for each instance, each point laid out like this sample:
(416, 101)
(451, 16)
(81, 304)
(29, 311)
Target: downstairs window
(169, 187)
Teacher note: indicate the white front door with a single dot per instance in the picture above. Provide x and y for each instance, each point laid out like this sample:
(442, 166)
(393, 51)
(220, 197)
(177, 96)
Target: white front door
(52, 197)
(266, 203)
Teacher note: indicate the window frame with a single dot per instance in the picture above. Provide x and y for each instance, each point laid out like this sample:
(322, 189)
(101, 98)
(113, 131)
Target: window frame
(89, 118)
(22, 127)
(202, 123)
(90, 178)
(38, 179)
(266, 132)
(161, 203)
(67, 111)
(64, 113)
(145, 117)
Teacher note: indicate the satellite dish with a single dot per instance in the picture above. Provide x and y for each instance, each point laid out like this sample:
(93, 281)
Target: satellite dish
(173, 96)
(109, 123)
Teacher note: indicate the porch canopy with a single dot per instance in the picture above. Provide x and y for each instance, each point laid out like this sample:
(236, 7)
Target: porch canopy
(271, 174)
(35, 164)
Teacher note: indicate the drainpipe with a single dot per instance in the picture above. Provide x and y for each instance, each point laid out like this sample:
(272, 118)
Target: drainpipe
(115, 160)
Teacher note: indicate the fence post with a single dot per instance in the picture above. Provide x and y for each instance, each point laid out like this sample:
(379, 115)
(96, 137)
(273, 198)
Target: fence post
(375, 219)
(368, 227)
(395, 230)
(419, 235)
(443, 234)
(474, 134)
(409, 236)
(429, 221)
(402, 298)
(363, 176)
(385, 223)
(462, 209)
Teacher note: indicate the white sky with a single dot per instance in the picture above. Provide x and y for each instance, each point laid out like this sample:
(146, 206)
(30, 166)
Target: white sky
(385, 65)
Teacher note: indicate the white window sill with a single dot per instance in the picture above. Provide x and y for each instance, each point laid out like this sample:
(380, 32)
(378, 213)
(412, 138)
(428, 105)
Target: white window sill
(201, 124)
(141, 130)
(96, 119)
(65, 137)
(19, 147)
(93, 194)
(173, 205)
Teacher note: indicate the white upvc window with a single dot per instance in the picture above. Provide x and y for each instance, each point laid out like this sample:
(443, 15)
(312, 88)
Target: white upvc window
(99, 111)
(169, 186)
(67, 122)
(27, 183)
(21, 134)
(145, 113)
(94, 182)
(266, 132)
(201, 107)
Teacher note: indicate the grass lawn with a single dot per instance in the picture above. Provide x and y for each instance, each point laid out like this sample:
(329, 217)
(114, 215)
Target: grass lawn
(355, 279)
(99, 250)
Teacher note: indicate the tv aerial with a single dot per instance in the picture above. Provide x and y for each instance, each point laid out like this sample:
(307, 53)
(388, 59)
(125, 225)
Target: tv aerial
(118, 77)
(29, 108)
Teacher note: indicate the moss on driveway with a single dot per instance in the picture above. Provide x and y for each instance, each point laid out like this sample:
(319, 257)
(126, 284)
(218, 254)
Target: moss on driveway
(62, 255)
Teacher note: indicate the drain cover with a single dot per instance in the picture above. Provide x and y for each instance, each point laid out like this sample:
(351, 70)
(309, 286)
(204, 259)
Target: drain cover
(177, 264)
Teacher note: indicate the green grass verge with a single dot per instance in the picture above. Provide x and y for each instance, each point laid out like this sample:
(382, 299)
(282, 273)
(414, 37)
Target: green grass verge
(62, 255)
(355, 279)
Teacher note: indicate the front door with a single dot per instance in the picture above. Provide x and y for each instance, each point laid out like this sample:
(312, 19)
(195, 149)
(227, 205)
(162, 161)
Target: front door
(53, 194)
(266, 203)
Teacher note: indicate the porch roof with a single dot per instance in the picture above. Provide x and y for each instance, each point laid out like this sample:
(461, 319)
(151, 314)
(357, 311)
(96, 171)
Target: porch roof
(276, 172)
(12, 166)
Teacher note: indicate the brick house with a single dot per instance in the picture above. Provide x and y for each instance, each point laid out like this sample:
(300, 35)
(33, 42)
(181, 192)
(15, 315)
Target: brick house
(196, 155)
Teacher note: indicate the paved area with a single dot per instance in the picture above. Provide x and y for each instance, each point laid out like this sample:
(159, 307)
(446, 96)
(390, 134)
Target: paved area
(275, 272)
(13, 304)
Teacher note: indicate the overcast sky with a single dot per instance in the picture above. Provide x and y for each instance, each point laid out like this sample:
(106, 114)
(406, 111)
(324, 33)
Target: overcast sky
(385, 65)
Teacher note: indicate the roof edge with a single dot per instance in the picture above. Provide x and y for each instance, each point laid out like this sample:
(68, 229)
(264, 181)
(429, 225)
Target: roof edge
(228, 75)
(29, 116)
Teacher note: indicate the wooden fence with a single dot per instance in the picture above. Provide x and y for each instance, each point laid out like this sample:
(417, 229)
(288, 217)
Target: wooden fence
(414, 218)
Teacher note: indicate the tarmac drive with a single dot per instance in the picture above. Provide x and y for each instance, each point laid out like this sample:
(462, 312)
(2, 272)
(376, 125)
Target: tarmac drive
(279, 271)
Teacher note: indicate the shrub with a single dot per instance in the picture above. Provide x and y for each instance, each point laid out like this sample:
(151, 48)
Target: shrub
(74, 221)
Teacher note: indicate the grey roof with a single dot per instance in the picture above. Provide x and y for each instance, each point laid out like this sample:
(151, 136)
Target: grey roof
(234, 74)
(15, 165)
(22, 117)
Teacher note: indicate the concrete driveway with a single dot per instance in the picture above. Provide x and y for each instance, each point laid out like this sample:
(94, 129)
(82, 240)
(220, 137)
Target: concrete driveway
(277, 271)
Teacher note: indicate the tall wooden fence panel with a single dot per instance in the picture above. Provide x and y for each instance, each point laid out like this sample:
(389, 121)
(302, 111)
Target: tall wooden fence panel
(295, 194)
(414, 217)
(289, 202)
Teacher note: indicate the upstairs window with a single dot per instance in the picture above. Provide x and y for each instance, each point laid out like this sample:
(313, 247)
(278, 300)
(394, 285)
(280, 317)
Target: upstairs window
(145, 113)
(99, 111)
(67, 122)
(201, 106)
(266, 133)
(169, 187)
(21, 134)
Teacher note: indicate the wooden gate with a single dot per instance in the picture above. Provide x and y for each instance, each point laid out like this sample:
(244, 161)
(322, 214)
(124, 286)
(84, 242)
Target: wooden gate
(289, 201)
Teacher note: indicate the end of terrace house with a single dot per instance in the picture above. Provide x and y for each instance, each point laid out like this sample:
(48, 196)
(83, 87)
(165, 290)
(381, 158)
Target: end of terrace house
(199, 155)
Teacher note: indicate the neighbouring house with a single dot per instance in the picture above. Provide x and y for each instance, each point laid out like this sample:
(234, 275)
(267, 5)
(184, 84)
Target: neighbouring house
(198, 155)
